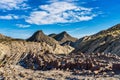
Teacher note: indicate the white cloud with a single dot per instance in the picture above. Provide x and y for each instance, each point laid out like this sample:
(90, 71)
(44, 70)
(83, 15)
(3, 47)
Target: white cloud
(58, 7)
(22, 25)
(60, 12)
(12, 4)
(9, 17)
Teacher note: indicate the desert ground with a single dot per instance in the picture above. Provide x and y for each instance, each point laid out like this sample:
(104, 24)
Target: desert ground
(15, 72)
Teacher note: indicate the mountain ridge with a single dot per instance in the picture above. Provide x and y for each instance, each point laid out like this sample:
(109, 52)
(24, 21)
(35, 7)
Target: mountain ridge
(103, 41)
(39, 36)
(64, 38)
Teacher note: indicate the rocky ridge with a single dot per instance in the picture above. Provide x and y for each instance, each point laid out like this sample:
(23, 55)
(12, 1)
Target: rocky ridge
(64, 38)
(52, 35)
(106, 41)
(39, 36)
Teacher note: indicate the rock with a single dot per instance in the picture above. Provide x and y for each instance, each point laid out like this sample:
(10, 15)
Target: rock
(4, 54)
(116, 66)
(22, 75)
(1, 78)
(96, 72)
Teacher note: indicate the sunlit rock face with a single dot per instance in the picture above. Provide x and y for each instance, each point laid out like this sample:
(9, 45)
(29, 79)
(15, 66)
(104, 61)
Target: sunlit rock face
(12, 51)
(4, 53)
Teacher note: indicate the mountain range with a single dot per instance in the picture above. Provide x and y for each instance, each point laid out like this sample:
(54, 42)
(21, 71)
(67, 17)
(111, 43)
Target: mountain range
(106, 41)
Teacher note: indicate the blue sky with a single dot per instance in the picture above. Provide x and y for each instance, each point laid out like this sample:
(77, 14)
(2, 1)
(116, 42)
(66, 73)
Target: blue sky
(21, 18)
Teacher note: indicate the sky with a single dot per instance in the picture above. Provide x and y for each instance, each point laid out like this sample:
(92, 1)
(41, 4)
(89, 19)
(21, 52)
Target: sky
(21, 18)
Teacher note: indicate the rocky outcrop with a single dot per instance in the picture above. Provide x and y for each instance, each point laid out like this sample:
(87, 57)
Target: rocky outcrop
(99, 65)
(116, 66)
(95, 63)
(106, 41)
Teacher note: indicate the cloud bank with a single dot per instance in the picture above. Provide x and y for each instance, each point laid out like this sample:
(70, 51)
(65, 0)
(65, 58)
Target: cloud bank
(53, 12)
(12, 4)
(60, 12)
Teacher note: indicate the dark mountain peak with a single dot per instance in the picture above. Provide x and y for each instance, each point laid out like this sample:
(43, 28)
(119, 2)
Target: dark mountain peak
(52, 35)
(39, 32)
(63, 37)
(64, 33)
(39, 36)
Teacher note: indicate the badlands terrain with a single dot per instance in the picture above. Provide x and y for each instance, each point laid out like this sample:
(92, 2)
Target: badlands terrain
(61, 56)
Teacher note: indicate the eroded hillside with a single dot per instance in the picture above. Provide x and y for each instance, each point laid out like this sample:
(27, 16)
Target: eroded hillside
(106, 41)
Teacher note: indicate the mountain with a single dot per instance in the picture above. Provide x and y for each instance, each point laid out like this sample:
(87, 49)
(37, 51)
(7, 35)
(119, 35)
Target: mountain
(52, 35)
(107, 41)
(64, 38)
(39, 36)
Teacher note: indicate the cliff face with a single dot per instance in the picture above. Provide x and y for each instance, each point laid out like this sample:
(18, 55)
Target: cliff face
(105, 41)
